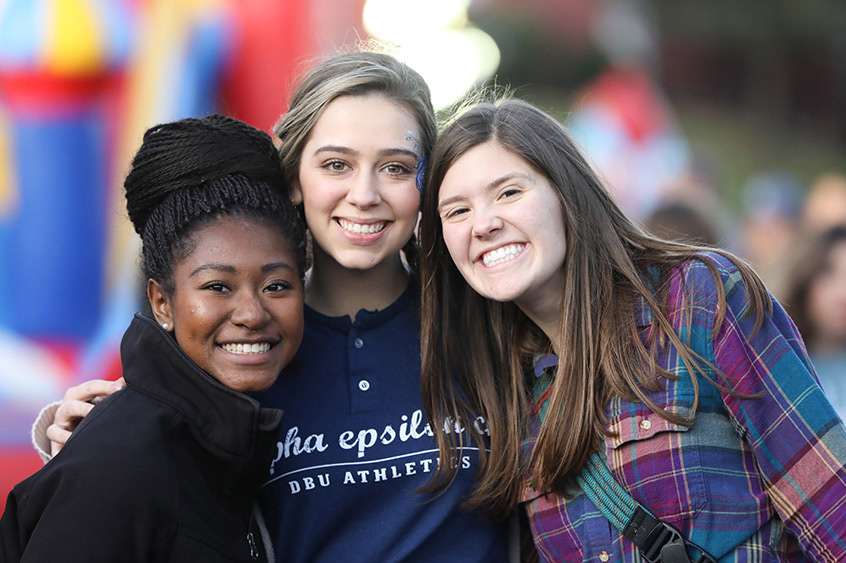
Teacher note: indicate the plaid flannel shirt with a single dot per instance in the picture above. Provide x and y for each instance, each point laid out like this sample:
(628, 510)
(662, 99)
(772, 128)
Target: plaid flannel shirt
(758, 479)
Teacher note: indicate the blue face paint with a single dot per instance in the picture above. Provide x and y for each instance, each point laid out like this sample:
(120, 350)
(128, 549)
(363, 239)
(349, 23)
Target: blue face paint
(420, 179)
(421, 173)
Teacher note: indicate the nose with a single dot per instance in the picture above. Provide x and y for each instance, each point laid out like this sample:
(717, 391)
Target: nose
(249, 311)
(486, 223)
(364, 190)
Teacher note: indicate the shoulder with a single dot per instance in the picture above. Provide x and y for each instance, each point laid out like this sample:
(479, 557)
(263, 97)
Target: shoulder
(93, 481)
(709, 286)
(711, 279)
(126, 443)
(708, 269)
(125, 495)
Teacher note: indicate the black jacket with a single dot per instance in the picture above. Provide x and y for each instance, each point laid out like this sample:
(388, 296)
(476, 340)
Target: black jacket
(164, 470)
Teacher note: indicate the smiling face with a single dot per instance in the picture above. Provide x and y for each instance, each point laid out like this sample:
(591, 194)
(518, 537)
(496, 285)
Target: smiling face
(504, 228)
(357, 180)
(237, 304)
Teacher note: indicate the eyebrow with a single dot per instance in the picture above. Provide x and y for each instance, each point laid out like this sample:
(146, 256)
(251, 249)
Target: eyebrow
(278, 266)
(232, 269)
(381, 153)
(491, 186)
(395, 152)
(334, 148)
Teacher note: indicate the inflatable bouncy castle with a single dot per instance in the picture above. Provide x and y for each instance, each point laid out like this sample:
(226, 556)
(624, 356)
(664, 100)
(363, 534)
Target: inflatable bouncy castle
(80, 80)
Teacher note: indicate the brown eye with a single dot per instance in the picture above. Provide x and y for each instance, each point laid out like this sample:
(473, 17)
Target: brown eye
(276, 287)
(396, 169)
(457, 212)
(216, 287)
(336, 166)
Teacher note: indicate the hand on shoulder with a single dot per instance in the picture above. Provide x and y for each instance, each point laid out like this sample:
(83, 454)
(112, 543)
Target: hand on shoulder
(77, 403)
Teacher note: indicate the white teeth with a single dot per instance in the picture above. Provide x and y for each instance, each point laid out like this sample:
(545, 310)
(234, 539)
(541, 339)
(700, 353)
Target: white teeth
(361, 228)
(502, 254)
(246, 348)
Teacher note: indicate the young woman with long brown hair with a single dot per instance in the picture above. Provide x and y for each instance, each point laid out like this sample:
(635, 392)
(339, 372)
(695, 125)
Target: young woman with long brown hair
(550, 314)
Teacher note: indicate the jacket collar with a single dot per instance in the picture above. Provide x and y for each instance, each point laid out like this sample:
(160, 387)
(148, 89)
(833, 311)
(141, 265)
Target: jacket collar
(227, 422)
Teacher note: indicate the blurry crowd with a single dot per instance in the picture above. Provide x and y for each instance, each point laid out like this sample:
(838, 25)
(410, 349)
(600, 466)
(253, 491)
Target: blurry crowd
(794, 236)
(793, 233)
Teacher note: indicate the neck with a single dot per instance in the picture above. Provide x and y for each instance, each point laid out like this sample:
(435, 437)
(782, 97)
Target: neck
(333, 290)
(546, 314)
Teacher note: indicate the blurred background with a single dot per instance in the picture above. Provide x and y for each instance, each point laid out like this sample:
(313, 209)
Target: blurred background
(718, 121)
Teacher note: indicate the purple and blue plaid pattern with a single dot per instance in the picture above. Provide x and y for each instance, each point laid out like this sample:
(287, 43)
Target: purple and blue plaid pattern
(752, 480)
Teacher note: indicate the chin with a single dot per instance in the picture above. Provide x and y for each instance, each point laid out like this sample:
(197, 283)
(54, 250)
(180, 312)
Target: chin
(251, 382)
(255, 386)
(362, 261)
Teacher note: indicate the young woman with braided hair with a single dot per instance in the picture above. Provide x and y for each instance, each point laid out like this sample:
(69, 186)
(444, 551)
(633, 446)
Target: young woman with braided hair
(168, 468)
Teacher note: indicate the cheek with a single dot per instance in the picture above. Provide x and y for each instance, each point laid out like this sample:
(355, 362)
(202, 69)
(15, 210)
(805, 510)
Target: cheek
(317, 194)
(453, 239)
(406, 205)
(293, 320)
(197, 322)
(289, 315)
(548, 212)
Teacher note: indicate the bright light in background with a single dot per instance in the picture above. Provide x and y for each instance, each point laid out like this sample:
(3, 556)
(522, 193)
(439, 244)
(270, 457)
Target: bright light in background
(433, 37)
(397, 20)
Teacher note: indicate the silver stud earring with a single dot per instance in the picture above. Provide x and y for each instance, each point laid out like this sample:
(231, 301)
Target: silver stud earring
(165, 326)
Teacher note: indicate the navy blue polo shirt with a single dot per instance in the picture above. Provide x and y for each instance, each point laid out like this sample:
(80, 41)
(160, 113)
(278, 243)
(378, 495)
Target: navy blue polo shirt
(354, 446)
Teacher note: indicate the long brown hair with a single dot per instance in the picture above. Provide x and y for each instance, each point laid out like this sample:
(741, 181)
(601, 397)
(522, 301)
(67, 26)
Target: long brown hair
(476, 352)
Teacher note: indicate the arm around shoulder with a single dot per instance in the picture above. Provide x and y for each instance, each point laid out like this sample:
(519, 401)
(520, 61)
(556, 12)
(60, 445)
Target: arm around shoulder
(56, 421)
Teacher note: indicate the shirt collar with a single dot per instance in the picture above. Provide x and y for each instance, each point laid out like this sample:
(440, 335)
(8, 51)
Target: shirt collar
(543, 362)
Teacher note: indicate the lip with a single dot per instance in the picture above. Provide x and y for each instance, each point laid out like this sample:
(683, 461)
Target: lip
(363, 237)
(480, 256)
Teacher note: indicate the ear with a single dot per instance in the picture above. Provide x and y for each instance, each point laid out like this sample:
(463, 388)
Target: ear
(296, 193)
(160, 305)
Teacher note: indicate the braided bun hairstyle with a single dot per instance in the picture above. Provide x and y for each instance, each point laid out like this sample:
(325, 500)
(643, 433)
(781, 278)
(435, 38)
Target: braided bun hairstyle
(190, 172)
